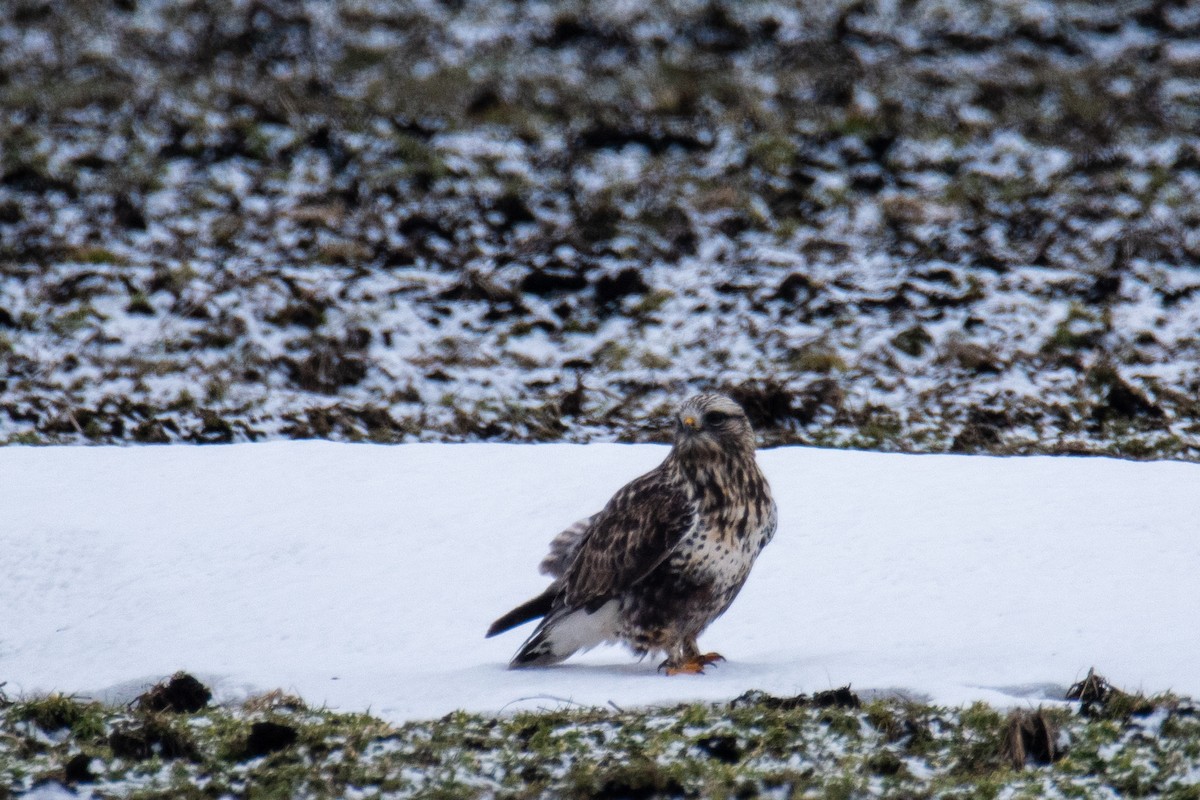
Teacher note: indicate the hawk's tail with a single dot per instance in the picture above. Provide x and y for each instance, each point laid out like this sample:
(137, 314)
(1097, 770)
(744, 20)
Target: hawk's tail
(537, 607)
(538, 650)
(566, 631)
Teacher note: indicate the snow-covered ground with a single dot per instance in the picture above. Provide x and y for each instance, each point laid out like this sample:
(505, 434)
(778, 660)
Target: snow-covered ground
(364, 576)
(928, 226)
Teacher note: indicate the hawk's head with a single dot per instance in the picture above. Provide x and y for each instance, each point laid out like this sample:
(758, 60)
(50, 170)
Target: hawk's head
(713, 422)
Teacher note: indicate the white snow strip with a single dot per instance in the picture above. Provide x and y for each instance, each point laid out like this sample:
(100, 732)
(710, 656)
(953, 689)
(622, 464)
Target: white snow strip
(364, 576)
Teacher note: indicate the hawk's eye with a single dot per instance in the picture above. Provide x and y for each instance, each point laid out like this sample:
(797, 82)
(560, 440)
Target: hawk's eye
(714, 418)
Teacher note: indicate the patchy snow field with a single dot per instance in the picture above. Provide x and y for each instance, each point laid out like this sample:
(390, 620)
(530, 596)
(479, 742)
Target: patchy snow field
(364, 576)
(930, 226)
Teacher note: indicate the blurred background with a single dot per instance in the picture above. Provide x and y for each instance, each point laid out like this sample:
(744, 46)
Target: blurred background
(912, 226)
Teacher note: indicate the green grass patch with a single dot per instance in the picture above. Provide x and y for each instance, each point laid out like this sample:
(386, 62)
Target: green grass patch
(827, 745)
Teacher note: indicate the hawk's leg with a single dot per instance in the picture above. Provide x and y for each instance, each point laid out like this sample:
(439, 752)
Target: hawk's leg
(686, 659)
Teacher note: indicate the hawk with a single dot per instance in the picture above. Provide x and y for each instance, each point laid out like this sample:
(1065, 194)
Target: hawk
(667, 554)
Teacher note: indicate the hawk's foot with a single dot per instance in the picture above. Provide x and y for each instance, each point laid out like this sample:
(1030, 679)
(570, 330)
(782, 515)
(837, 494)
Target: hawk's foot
(693, 665)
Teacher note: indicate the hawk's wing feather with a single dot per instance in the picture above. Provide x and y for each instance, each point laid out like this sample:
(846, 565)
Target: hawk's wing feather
(564, 547)
(632, 535)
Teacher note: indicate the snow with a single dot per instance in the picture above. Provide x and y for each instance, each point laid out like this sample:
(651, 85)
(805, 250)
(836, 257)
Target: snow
(364, 576)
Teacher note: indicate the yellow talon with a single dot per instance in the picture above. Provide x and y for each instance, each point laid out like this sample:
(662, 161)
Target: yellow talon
(692, 666)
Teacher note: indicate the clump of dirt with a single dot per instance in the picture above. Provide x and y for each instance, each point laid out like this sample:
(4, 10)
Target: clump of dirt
(331, 363)
(767, 404)
(755, 697)
(1100, 699)
(722, 747)
(1092, 689)
(842, 697)
(152, 735)
(267, 737)
(273, 700)
(983, 430)
(78, 769)
(1122, 401)
(1030, 736)
(182, 694)
(611, 289)
(553, 282)
(640, 778)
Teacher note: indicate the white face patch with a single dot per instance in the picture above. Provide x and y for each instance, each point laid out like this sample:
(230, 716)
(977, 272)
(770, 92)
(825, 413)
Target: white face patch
(696, 407)
(712, 424)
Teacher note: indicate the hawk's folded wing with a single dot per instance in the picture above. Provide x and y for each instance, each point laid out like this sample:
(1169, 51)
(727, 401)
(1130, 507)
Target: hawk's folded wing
(632, 535)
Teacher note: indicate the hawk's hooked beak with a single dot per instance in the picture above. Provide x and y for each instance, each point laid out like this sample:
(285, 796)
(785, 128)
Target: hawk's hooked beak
(690, 422)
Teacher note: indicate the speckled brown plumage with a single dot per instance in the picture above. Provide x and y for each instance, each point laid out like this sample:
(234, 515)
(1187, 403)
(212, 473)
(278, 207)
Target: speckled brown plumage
(667, 554)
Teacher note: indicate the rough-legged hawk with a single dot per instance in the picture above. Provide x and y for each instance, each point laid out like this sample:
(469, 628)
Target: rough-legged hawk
(666, 555)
